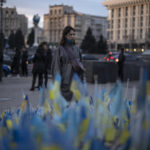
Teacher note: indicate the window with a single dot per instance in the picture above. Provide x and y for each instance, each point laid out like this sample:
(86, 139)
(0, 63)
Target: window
(118, 23)
(142, 9)
(109, 22)
(126, 11)
(119, 12)
(112, 13)
(118, 34)
(141, 33)
(6, 12)
(141, 22)
(125, 34)
(111, 35)
(133, 34)
(59, 11)
(112, 24)
(126, 22)
(133, 22)
(108, 35)
(134, 10)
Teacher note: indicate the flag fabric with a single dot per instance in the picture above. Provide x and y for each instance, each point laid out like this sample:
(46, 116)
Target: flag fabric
(103, 121)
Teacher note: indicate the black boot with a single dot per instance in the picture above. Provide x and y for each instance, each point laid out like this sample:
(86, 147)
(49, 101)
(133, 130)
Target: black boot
(32, 89)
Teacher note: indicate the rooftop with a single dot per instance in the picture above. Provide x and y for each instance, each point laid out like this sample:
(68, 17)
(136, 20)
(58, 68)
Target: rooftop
(108, 3)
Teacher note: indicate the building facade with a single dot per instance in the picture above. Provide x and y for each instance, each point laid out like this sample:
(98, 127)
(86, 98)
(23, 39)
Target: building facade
(13, 21)
(60, 16)
(128, 24)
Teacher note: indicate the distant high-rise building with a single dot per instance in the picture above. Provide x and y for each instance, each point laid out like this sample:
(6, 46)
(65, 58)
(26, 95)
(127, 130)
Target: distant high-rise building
(13, 21)
(128, 24)
(60, 16)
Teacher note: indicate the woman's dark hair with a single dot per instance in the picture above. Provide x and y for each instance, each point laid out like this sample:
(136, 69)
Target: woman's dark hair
(66, 30)
(42, 44)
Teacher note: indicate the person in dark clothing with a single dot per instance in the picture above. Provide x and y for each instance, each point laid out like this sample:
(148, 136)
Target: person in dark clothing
(24, 62)
(121, 64)
(15, 67)
(38, 67)
(62, 61)
(48, 60)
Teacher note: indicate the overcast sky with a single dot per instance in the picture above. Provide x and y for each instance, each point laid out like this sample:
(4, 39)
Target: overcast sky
(31, 7)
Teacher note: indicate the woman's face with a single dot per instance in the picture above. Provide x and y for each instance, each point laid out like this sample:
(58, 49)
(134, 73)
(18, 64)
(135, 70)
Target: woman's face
(45, 47)
(71, 36)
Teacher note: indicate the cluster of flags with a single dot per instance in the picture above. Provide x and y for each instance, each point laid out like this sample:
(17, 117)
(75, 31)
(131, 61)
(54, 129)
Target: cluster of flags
(105, 121)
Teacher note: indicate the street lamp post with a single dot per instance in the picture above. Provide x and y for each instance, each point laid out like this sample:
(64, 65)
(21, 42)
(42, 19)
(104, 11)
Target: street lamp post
(1, 37)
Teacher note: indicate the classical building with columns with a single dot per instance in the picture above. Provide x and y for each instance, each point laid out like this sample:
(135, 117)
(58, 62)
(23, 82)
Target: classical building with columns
(60, 16)
(128, 24)
(13, 21)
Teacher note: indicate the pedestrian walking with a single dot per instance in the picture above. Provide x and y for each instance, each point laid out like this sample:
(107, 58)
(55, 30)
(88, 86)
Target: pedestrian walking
(48, 60)
(15, 66)
(121, 64)
(38, 67)
(24, 61)
(67, 61)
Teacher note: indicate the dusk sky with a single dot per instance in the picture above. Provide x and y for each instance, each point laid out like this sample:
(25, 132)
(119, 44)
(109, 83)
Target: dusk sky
(31, 7)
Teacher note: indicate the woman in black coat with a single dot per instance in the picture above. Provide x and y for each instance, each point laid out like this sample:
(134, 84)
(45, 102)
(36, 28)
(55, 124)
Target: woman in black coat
(38, 67)
(24, 60)
(48, 60)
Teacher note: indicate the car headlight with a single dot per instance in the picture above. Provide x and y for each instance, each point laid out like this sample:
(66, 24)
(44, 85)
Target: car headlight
(116, 60)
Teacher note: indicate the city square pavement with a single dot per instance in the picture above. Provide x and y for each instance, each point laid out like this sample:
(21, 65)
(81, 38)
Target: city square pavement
(12, 89)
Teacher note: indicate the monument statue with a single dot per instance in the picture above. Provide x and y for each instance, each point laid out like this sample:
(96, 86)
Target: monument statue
(36, 20)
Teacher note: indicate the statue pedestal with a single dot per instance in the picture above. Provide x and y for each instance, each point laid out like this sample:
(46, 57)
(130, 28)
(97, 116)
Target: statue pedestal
(35, 36)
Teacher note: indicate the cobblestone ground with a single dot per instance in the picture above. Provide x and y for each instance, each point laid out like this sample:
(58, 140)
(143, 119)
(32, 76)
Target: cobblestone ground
(11, 89)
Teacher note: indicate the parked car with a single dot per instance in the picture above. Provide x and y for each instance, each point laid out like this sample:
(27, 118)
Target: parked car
(145, 55)
(88, 57)
(112, 57)
(7, 59)
(129, 57)
(6, 70)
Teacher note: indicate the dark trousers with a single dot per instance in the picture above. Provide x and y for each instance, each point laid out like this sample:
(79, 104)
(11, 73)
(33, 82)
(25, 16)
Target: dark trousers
(66, 92)
(120, 72)
(24, 69)
(40, 78)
